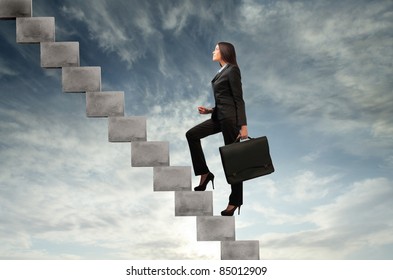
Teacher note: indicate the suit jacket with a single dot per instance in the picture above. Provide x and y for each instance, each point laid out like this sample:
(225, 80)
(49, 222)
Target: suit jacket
(228, 95)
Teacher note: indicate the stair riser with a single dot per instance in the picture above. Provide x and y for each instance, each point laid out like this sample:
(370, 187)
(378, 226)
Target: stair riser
(35, 30)
(11, 9)
(105, 104)
(127, 129)
(81, 79)
(149, 154)
(194, 203)
(216, 228)
(57, 55)
(240, 250)
(172, 178)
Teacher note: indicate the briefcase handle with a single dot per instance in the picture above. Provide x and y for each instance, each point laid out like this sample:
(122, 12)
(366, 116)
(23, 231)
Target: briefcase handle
(238, 138)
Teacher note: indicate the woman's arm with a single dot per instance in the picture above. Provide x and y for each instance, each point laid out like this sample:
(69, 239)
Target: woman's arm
(237, 92)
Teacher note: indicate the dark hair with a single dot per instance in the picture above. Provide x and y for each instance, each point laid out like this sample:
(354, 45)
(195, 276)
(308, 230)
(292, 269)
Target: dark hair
(228, 53)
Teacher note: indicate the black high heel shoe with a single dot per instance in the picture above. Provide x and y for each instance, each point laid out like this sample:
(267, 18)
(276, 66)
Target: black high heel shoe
(230, 212)
(202, 187)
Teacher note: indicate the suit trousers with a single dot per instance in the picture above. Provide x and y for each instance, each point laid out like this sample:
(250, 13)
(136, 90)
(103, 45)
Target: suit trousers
(230, 131)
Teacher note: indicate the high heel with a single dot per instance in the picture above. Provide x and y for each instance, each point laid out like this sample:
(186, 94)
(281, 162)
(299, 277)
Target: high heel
(202, 187)
(230, 212)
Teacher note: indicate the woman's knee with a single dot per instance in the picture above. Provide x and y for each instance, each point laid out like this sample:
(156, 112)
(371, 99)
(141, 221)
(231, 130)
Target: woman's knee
(189, 134)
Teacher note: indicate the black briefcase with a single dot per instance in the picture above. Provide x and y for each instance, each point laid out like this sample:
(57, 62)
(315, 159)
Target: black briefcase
(246, 160)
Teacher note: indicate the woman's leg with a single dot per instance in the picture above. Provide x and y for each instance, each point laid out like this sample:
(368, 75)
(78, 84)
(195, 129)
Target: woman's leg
(236, 196)
(230, 132)
(194, 136)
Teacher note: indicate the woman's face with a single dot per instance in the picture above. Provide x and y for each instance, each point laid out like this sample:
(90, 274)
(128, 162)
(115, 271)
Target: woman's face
(217, 54)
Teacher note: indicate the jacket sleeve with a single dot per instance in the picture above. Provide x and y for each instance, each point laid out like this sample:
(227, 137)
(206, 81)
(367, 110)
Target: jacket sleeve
(237, 92)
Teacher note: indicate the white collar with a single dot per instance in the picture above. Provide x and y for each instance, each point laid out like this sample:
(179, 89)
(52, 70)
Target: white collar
(222, 68)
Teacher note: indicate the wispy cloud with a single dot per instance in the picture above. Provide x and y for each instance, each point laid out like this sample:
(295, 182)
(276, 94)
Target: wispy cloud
(357, 218)
(316, 79)
(5, 69)
(79, 189)
(323, 65)
(108, 31)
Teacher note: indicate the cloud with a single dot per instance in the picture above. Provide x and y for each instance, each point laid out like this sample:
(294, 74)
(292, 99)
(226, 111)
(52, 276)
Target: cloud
(183, 14)
(316, 78)
(367, 203)
(324, 66)
(361, 217)
(63, 183)
(83, 193)
(6, 70)
(175, 17)
(311, 157)
(109, 32)
(308, 187)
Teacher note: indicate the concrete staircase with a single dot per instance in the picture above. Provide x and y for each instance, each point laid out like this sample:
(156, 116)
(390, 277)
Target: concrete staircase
(144, 153)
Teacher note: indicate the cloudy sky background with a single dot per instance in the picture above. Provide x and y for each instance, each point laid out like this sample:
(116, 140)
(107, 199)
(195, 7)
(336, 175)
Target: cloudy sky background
(317, 80)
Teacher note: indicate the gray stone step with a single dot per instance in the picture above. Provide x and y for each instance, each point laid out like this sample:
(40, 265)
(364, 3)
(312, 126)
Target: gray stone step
(126, 129)
(240, 250)
(193, 203)
(149, 154)
(105, 104)
(216, 228)
(172, 178)
(81, 79)
(15, 8)
(35, 30)
(59, 54)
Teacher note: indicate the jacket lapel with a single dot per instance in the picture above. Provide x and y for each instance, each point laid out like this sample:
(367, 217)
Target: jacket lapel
(219, 73)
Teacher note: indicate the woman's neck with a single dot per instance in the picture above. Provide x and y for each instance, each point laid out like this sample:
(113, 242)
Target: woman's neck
(222, 63)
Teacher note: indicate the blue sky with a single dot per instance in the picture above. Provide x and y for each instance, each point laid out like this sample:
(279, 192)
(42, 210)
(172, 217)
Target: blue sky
(317, 82)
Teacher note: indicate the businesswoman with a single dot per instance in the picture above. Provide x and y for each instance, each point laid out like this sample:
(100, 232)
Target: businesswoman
(228, 117)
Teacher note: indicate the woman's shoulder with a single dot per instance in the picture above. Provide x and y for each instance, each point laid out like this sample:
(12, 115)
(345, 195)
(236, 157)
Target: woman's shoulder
(234, 69)
(233, 66)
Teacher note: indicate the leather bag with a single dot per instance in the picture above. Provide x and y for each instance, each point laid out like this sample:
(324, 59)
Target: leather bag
(246, 160)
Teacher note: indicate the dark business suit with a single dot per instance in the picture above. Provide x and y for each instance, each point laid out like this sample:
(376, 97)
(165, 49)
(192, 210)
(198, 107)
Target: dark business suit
(228, 116)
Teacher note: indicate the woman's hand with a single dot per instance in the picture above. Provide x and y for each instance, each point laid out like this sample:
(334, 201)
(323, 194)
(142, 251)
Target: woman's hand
(203, 110)
(243, 132)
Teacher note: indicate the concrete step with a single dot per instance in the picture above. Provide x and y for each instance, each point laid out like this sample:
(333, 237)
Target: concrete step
(81, 79)
(193, 203)
(149, 154)
(11, 9)
(172, 178)
(35, 30)
(59, 54)
(216, 228)
(126, 129)
(240, 250)
(105, 104)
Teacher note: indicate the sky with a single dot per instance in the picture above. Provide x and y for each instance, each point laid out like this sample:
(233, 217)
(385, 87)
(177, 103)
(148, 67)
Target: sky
(317, 81)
